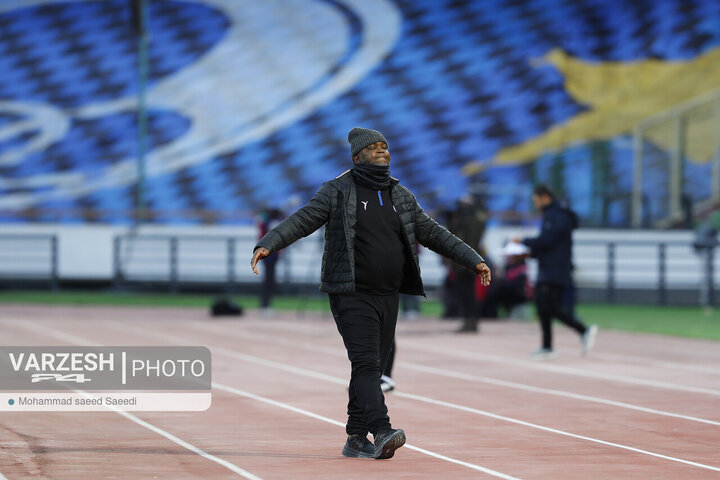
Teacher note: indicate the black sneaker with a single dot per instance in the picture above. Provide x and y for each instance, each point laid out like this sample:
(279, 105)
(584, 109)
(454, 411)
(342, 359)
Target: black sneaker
(387, 441)
(358, 446)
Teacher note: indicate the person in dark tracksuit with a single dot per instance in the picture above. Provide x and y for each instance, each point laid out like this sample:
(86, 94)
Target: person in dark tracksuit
(553, 250)
(268, 219)
(370, 257)
(468, 223)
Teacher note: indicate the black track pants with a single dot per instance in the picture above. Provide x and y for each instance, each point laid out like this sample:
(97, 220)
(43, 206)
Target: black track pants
(367, 326)
(550, 304)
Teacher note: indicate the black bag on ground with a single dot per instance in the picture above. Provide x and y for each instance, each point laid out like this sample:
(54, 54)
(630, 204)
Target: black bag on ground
(225, 307)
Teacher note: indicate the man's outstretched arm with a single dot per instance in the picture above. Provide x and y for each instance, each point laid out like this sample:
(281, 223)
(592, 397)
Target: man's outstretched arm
(298, 225)
(440, 240)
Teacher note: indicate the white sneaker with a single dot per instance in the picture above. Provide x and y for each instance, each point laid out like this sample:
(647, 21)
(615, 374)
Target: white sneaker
(543, 354)
(588, 339)
(386, 384)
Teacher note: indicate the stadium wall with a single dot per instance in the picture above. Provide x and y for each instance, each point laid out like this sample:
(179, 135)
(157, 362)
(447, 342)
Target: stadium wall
(88, 253)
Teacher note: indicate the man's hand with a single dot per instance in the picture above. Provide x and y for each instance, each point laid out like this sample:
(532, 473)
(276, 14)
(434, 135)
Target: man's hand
(484, 272)
(261, 253)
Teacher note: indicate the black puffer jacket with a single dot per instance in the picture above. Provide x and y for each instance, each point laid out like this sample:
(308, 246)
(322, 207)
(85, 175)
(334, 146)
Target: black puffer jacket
(335, 204)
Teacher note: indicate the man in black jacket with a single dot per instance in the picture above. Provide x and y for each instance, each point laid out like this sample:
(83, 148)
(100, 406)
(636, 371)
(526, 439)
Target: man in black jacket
(372, 224)
(553, 250)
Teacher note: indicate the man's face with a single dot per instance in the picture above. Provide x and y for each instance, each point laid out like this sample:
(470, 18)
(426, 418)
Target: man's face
(374, 154)
(540, 201)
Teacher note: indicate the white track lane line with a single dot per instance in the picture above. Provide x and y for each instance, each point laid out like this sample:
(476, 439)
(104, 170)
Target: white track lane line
(462, 376)
(541, 366)
(230, 466)
(321, 376)
(2, 477)
(549, 391)
(267, 363)
(553, 430)
(66, 337)
(619, 357)
(340, 424)
(558, 369)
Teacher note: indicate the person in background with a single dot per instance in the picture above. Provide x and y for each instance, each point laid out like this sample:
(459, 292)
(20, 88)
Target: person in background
(513, 288)
(468, 223)
(553, 250)
(369, 259)
(268, 219)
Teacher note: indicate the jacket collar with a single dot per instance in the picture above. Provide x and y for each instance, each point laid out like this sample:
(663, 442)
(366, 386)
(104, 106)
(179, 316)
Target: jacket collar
(348, 174)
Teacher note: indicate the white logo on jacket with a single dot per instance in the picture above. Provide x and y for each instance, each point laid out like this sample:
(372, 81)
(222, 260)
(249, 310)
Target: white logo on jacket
(364, 204)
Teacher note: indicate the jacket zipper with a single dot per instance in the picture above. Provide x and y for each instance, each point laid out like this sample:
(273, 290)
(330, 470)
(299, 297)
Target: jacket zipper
(348, 240)
(407, 243)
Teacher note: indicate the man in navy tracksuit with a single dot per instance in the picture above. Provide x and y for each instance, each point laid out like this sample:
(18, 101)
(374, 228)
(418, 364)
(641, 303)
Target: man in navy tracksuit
(553, 250)
(373, 225)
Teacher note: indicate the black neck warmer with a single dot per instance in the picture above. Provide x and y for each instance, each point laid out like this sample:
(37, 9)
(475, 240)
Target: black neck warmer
(376, 177)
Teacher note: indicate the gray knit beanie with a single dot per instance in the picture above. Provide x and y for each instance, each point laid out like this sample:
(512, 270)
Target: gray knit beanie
(360, 138)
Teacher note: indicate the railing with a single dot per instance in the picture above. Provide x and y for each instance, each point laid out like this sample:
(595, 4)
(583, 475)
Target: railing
(668, 271)
(25, 257)
(177, 259)
(174, 260)
(680, 150)
(641, 267)
(624, 270)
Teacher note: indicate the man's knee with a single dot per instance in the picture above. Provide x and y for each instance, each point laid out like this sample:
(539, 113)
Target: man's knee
(366, 366)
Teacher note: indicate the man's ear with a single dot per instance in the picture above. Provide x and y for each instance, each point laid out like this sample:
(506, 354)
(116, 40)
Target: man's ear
(355, 158)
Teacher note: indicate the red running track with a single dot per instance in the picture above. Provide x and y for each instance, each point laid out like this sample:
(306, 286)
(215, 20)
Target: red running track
(472, 406)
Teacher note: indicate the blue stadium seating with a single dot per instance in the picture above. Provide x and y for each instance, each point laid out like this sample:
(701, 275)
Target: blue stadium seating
(457, 87)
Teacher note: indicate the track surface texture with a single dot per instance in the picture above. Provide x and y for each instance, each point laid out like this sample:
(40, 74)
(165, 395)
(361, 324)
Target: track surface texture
(472, 406)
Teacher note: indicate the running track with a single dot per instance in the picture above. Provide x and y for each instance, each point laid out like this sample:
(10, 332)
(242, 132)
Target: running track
(639, 407)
